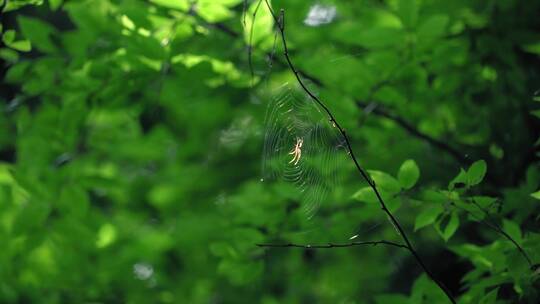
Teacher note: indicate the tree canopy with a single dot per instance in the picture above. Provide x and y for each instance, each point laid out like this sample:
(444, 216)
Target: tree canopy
(230, 151)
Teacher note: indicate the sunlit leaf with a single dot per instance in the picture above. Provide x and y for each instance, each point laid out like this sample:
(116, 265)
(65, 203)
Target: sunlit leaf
(408, 174)
(448, 231)
(476, 172)
(385, 182)
(16, 4)
(106, 236)
(176, 4)
(21, 45)
(8, 36)
(38, 32)
(427, 216)
(532, 48)
(55, 4)
(258, 29)
(366, 194)
(213, 11)
(460, 181)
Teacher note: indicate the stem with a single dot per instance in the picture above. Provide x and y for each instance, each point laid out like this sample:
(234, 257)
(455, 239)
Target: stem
(332, 245)
(439, 144)
(393, 220)
(250, 44)
(495, 227)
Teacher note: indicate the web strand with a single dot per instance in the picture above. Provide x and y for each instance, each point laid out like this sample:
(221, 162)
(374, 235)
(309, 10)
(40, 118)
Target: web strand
(300, 147)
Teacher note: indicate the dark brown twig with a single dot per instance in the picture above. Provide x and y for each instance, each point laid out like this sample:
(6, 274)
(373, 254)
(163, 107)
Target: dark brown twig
(333, 245)
(244, 12)
(441, 145)
(250, 43)
(363, 173)
(495, 227)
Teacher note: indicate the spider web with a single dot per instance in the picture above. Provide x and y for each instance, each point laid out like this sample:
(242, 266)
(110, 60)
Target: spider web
(292, 117)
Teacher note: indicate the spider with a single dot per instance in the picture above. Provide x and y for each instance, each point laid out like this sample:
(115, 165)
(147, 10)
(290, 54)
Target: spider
(296, 151)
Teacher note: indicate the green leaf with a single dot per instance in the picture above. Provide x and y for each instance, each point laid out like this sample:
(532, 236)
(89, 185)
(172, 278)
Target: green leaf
(513, 230)
(421, 284)
(385, 182)
(55, 4)
(451, 227)
(434, 196)
(74, 201)
(32, 214)
(38, 32)
(380, 37)
(496, 151)
(490, 298)
(177, 4)
(424, 290)
(13, 4)
(365, 194)
(408, 12)
(485, 202)
(427, 216)
(223, 249)
(21, 45)
(216, 11)
(476, 172)
(536, 195)
(408, 174)
(433, 27)
(459, 181)
(9, 39)
(8, 36)
(533, 48)
(393, 204)
(107, 235)
(9, 55)
(259, 29)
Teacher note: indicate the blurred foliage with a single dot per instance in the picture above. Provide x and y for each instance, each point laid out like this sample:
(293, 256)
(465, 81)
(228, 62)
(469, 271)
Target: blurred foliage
(131, 137)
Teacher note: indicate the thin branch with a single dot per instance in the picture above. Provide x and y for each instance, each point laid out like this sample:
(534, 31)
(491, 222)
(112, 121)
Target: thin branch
(441, 145)
(333, 245)
(250, 43)
(222, 27)
(244, 12)
(495, 227)
(271, 58)
(363, 173)
(503, 233)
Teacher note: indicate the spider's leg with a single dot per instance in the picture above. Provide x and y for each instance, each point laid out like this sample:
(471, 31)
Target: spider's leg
(298, 156)
(294, 159)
